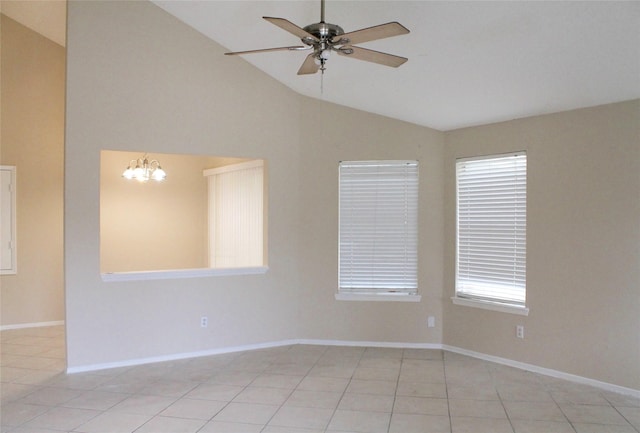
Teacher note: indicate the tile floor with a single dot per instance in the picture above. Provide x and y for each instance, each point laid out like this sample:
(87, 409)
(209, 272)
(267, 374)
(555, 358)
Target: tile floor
(299, 389)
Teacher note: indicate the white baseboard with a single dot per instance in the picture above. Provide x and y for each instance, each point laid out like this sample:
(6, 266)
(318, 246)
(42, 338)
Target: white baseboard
(370, 344)
(545, 371)
(504, 361)
(178, 356)
(223, 350)
(31, 325)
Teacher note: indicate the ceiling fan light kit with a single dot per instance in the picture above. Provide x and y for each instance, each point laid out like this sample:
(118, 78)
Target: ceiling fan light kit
(322, 38)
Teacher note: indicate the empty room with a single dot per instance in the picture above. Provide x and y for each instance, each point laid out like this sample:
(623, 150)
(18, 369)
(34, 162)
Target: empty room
(215, 220)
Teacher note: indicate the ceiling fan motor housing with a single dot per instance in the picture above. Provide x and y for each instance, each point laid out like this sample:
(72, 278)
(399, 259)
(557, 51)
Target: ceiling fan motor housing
(322, 31)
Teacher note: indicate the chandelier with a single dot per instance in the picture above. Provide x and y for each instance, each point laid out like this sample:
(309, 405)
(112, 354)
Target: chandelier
(142, 170)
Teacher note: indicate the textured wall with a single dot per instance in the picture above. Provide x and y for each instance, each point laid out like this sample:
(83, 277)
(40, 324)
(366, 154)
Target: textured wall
(583, 237)
(32, 137)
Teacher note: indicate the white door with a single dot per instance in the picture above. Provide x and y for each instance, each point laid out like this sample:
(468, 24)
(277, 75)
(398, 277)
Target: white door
(8, 220)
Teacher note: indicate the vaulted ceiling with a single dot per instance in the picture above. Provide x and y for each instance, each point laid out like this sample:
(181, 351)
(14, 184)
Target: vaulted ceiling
(470, 63)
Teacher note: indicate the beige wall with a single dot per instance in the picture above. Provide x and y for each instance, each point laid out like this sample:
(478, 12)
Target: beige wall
(153, 80)
(583, 238)
(137, 75)
(31, 138)
(138, 78)
(355, 135)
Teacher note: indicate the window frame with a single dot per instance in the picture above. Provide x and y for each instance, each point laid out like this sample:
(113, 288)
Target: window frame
(518, 255)
(350, 280)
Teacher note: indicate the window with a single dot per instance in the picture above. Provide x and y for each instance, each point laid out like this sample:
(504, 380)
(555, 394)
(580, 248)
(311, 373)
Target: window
(236, 215)
(491, 229)
(378, 227)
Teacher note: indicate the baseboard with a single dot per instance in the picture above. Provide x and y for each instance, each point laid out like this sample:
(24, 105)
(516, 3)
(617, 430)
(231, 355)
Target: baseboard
(370, 344)
(545, 371)
(31, 325)
(223, 350)
(178, 356)
(498, 360)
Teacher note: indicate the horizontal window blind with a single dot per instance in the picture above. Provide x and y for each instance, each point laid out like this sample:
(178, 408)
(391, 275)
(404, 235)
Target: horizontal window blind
(491, 224)
(378, 226)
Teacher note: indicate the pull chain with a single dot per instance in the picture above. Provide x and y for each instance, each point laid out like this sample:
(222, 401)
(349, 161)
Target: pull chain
(322, 69)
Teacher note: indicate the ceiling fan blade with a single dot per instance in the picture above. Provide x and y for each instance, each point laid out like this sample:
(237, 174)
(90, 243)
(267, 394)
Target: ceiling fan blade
(372, 56)
(371, 34)
(290, 27)
(266, 50)
(309, 66)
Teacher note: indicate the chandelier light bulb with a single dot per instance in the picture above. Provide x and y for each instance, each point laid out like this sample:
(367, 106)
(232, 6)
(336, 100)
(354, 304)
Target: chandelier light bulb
(144, 170)
(128, 173)
(138, 172)
(159, 174)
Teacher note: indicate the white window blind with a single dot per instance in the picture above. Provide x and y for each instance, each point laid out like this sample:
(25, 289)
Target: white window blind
(492, 222)
(236, 215)
(378, 227)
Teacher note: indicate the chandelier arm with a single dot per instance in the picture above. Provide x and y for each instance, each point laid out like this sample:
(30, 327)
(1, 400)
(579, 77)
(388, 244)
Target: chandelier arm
(144, 170)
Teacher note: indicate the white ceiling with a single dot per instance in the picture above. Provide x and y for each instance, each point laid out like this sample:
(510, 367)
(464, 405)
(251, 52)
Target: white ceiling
(470, 63)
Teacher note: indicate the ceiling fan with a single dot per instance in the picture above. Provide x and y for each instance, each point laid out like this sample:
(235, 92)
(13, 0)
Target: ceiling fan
(323, 38)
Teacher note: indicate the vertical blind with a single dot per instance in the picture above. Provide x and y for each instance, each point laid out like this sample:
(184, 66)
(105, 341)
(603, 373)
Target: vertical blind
(236, 215)
(491, 223)
(378, 226)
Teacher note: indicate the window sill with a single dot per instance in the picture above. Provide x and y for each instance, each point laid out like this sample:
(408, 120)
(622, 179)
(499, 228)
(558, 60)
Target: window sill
(181, 273)
(493, 306)
(384, 297)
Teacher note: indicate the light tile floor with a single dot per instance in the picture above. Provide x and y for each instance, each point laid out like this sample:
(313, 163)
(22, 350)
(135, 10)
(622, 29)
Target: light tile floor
(301, 389)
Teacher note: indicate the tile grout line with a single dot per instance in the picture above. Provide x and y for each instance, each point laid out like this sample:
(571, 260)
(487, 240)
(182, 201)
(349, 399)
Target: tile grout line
(561, 410)
(56, 381)
(513, 429)
(345, 389)
(395, 394)
(446, 389)
(622, 415)
(266, 424)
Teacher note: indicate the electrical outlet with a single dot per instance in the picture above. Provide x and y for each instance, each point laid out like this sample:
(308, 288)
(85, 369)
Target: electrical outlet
(204, 321)
(431, 322)
(520, 331)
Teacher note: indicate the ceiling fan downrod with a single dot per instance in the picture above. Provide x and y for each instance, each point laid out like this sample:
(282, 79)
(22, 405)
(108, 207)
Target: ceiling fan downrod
(322, 38)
